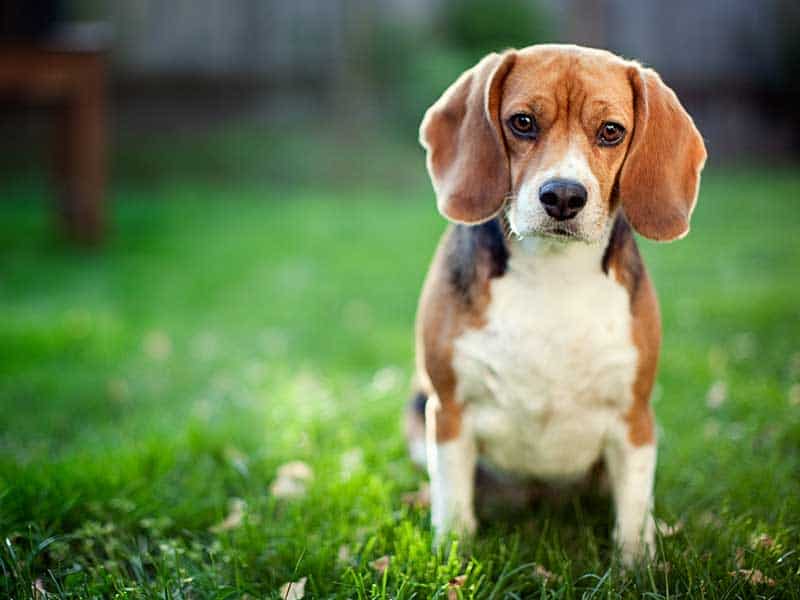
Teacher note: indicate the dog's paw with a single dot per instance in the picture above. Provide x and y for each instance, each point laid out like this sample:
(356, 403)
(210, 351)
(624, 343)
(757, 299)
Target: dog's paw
(637, 549)
(462, 528)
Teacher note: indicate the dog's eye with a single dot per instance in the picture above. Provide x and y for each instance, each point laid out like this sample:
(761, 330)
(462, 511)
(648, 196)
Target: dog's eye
(610, 134)
(523, 125)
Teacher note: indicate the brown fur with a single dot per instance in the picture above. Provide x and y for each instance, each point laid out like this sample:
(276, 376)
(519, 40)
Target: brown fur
(661, 176)
(445, 311)
(570, 99)
(475, 162)
(466, 153)
(622, 259)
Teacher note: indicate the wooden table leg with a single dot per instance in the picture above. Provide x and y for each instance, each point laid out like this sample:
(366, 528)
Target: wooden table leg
(80, 162)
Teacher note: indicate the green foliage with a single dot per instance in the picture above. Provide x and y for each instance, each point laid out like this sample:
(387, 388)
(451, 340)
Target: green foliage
(224, 331)
(410, 67)
(482, 26)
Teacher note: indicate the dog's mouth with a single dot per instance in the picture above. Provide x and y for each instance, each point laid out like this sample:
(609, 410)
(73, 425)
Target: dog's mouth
(560, 232)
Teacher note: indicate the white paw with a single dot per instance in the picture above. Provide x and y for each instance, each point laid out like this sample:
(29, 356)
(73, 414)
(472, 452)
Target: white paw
(462, 527)
(637, 547)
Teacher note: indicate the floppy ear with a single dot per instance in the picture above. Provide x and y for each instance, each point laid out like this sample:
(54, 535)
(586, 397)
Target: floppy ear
(660, 177)
(467, 158)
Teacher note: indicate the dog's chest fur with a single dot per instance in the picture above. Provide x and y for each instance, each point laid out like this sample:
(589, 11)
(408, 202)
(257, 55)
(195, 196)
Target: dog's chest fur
(549, 375)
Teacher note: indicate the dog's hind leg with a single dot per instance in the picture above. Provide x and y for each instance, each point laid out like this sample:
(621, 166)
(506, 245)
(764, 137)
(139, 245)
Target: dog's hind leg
(415, 429)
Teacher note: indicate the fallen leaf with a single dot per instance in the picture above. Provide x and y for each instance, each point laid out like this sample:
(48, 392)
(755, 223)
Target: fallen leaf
(38, 589)
(296, 469)
(343, 554)
(234, 519)
(385, 380)
(292, 480)
(157, 345)
(761, 541)
(717, 394)
(453, 585)
(381, 564)
(352, 461)
(709, 519)
(794, 395)
(420, 498)
(668, 530)
(544, 574)
(754, 577)
(739, 559)
(294, 590)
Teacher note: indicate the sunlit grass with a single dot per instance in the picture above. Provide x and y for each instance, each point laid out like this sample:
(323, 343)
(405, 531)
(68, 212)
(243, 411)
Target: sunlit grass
(222, 332)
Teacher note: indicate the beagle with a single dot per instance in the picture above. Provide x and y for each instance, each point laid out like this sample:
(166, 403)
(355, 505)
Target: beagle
(538, 328)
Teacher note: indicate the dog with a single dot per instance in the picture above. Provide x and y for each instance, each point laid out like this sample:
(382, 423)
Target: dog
(538, 328)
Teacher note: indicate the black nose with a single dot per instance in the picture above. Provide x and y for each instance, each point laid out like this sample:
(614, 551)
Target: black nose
(562, 199)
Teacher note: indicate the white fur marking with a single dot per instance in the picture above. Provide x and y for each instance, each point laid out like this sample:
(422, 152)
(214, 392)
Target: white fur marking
(632, 470)
(451, 468)
(550, 374)
(527, 215)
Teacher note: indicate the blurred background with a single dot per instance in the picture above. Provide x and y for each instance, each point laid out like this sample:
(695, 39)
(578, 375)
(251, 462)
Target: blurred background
(331, 93)
(215, 220)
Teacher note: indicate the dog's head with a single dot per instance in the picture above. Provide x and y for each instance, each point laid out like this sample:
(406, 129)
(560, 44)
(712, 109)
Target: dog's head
(558, 136)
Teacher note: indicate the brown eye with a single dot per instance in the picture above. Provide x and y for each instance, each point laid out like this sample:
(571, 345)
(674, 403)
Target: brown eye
(523, 125)
(610, 134)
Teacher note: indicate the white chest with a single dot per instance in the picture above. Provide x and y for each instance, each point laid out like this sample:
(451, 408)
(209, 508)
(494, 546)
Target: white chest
(550, 373)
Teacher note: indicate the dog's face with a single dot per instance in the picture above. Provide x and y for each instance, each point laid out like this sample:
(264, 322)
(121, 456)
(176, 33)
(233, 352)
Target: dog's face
(558, 136)
(565, 122)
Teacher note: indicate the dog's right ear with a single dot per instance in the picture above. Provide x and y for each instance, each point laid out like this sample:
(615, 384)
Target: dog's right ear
(467, 157)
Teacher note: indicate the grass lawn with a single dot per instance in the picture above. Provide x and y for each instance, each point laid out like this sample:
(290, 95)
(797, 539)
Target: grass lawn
(151, 390)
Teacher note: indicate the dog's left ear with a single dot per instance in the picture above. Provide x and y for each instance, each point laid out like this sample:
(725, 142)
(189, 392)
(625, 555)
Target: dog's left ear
(467, 158)
(659, 180)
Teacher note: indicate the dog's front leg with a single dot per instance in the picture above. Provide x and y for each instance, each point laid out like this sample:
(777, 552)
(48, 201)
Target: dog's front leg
(631, 469)
(451, 466)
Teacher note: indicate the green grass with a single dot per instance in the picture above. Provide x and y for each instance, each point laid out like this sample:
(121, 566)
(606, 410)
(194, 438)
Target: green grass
(222, 332)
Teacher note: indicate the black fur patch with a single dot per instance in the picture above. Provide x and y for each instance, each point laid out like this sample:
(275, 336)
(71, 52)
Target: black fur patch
(623, 244)
(418, 403)
(470, 244)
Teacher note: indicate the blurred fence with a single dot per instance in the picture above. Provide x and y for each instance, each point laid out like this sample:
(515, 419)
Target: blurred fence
(735, 64)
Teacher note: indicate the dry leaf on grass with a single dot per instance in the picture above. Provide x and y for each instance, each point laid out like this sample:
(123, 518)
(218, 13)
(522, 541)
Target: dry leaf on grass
(157, 345)
(294, 590)
(739, 559)
(668, 530)
(453, 585)
(385, 380)
(352, 461)
(717, 394)
(761, 540)
(292, 480)
(343, 555)
(794, 395)
(381, 564)
(709, 519)
(234, 519)
(754, 577)
(418, 499)
(544, 574)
